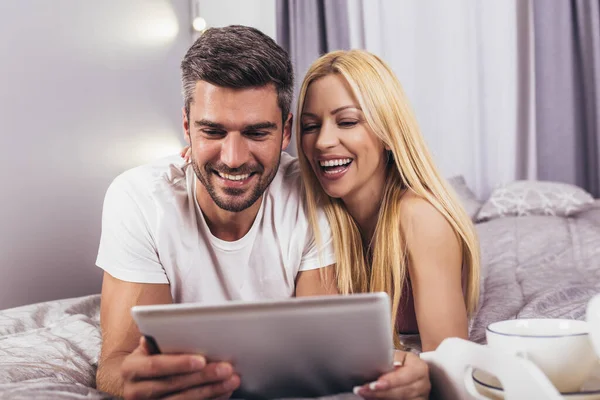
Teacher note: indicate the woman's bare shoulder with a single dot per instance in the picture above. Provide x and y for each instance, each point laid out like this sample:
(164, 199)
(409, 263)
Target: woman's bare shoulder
(421, 220)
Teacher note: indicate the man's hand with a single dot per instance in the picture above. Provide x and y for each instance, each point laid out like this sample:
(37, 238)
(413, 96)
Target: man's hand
(408, 380)
(175, 377)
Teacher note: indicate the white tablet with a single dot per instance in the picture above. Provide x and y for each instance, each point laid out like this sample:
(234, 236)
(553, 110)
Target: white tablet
(298, 347)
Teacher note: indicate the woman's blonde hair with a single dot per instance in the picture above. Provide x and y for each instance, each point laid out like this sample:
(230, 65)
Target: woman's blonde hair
(389, 116)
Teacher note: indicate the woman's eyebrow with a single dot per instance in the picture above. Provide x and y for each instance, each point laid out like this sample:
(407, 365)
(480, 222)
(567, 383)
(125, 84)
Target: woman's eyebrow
(337, 110)
(342, 108)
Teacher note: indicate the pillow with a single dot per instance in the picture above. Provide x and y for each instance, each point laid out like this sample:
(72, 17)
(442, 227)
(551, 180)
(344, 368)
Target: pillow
(467, 198)
(521, 198)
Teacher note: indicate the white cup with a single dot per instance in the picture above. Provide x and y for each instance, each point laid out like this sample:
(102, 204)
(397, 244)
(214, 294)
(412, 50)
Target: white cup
(593, 319)
(561, 348)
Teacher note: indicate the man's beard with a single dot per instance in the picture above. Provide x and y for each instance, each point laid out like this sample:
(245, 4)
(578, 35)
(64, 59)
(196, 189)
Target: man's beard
(227, 204)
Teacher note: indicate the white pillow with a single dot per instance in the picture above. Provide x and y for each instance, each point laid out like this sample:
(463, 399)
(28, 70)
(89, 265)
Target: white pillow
(521, 198)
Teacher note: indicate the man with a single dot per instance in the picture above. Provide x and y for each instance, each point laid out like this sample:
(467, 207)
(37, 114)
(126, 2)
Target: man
(229, 225)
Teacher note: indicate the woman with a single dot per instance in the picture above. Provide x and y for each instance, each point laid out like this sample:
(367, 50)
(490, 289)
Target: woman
(397, 227)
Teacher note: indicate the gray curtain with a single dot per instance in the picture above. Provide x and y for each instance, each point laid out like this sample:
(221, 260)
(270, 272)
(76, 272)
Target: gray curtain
(308, 29)
(567, 70)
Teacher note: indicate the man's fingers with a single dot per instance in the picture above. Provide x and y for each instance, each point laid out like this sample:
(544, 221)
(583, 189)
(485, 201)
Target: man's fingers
(142, 366)
(214, 376)
(140, 349)
(221, 390)
(151, 389)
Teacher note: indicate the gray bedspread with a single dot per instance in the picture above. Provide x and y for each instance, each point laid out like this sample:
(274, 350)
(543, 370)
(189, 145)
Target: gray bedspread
(538, 266)
(535, 266)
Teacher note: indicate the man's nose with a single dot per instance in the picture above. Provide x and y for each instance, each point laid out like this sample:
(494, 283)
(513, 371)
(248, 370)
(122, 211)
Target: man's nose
(234, 151)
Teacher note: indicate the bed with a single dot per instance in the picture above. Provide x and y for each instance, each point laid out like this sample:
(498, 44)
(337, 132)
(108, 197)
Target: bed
(540, 258)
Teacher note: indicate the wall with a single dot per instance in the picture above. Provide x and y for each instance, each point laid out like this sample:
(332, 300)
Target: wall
(257, 13)
(89, 89)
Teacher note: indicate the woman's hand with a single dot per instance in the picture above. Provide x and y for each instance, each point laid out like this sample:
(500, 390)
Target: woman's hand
(186, 153)
(408, 380)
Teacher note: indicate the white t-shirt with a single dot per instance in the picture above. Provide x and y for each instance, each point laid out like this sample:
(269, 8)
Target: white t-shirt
(154, 232)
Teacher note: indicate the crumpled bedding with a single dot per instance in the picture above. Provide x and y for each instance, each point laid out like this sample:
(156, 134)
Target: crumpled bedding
(534, 266)
(538, 266)
(50, 350)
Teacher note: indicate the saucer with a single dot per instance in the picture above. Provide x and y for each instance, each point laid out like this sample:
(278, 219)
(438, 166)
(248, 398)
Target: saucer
(489, 386)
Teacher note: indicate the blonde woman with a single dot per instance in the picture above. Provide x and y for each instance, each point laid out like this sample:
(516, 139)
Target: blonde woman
(396, 225)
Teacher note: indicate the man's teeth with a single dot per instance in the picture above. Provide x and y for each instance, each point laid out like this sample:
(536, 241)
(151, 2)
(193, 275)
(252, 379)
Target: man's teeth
(234, 177)
(334, 163)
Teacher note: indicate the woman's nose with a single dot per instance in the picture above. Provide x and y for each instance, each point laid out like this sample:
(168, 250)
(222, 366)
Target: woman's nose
(327, 137)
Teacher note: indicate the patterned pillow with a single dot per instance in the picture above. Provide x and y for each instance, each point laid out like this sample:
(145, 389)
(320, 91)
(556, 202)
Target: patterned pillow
(467, 198)
(522, 198)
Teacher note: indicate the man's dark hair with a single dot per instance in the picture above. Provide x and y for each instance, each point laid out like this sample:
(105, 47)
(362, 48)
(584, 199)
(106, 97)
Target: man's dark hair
(238, 57)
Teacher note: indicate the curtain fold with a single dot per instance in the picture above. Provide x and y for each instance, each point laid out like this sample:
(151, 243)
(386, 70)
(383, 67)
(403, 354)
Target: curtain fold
(567, 52)
(459, 65)
(309, 28)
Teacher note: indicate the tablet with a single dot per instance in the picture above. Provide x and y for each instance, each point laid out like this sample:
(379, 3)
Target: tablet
(298, 347)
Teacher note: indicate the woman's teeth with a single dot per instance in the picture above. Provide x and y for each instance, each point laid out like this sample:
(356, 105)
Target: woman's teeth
(334, 163)
(332, 167)
(335, 171)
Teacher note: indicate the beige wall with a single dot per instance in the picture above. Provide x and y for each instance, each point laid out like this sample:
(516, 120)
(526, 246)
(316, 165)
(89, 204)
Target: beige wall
(88, 89)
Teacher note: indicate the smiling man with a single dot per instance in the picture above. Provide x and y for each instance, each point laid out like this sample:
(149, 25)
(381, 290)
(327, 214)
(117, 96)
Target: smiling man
(228, 225)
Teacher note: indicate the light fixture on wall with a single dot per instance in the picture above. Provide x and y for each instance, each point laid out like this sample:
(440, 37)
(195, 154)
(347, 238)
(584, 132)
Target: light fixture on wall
(198, 23)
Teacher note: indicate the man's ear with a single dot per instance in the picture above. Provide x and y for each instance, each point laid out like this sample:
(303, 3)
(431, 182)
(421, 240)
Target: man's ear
(287, 131)
(186, 126)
